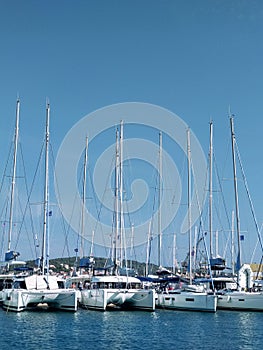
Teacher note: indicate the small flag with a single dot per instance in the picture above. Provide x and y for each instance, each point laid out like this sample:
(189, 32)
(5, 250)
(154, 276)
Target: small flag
(242, 237)
(50, 213)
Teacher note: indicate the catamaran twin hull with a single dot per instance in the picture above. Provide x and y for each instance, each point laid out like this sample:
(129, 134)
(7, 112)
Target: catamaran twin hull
(21, 299)
(101, 299)
(185, 300)
(249, 301)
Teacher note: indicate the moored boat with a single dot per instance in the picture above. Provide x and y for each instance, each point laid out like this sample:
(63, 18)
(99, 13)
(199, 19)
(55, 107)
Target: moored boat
(41, 289)
(114, 286)
(247, 296)
(124, 292)
(181, 299)
(35, 291)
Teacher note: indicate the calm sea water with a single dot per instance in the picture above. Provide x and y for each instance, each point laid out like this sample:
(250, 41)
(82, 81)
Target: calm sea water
(124, 330)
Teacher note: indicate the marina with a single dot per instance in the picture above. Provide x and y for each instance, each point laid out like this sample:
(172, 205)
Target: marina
(131, 175)
(115, 285)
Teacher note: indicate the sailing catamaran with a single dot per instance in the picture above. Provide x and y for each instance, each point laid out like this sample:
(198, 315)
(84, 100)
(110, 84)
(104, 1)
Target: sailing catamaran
(32, 291)
(109, 288)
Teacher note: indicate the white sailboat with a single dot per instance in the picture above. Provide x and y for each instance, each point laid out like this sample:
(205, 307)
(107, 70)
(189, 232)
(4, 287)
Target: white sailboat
(83, 269)
(247, 296)
(34, 291)
(196, 299)
(11, 263)
(221, 278)
(187, 296)
(110, 289)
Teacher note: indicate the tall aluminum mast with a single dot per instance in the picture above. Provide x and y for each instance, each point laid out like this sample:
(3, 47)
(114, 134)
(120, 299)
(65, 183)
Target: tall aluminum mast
(211, 190)
(235, 190)
(189, 203)
(45, 262)
(13, 177)
(159, 200)
(84, 199)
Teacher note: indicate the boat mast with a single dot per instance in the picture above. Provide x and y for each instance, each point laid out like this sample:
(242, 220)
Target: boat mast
(195, 246)
(45, 262)
(148, 248)
(13, 176)
(235, 190)
(232, 242)
(159, 200)
(132, 245)
(189, 203)
(117, 214)
(84, 199)
(211, 189)
(92, 244)
(121, 194)
(174, 252)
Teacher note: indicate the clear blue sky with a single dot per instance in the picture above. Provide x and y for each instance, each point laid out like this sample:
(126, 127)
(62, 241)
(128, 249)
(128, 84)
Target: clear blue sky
(195, 58)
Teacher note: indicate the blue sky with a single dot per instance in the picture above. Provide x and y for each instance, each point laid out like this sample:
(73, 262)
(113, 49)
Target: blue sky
(194, 58)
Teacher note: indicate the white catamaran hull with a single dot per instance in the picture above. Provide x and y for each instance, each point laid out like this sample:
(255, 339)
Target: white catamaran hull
(100, 299)
(241, 301)
(33, 291)
(185, 300)
(21, 299)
